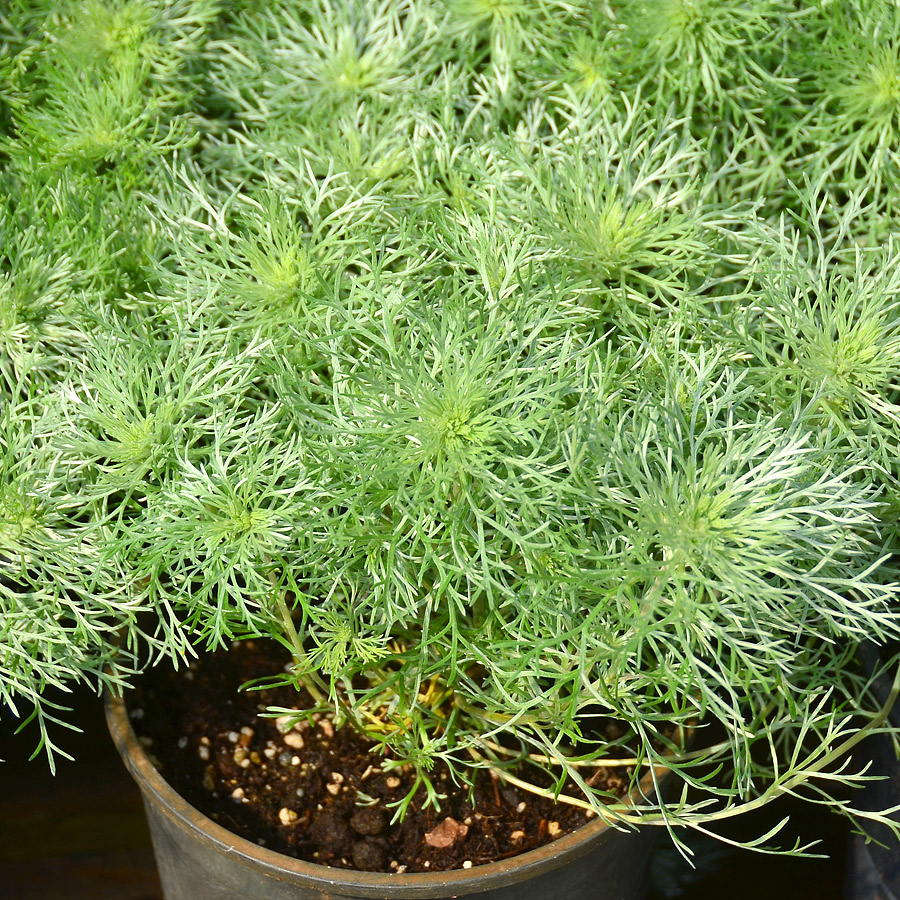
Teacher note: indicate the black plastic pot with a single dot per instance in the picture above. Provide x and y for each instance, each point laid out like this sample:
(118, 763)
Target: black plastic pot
(873, 869)
(200, 860)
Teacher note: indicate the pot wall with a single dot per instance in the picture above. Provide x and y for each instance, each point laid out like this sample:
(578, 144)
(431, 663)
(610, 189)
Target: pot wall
(873, 869)
(199, 860)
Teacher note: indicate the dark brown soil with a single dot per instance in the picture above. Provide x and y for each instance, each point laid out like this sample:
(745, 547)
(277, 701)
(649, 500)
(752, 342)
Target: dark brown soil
(316, 792)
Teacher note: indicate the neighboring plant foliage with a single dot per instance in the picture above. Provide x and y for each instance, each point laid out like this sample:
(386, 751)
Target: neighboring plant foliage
(517, 364)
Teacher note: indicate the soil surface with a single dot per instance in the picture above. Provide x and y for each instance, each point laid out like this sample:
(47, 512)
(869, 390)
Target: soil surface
(319, 793)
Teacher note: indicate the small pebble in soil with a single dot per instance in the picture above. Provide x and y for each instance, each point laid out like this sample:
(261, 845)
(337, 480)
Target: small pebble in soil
(553, 829)
(233, 737)
(294, 740)
(288, 723)
(392, 782)
(287, 816)
(237, 794)
(521, 807)
(446, 834)
(327, 728)
(467, 864)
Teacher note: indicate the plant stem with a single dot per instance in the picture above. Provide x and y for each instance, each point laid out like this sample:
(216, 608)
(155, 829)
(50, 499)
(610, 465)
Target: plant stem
(316, 689)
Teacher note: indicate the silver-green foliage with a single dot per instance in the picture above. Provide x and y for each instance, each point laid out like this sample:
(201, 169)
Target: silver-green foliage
(450, 345)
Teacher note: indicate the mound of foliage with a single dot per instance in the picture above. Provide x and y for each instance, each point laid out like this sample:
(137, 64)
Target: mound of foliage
(518, 363)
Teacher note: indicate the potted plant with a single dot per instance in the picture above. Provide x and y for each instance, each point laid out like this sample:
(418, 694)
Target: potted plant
(488, 360)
